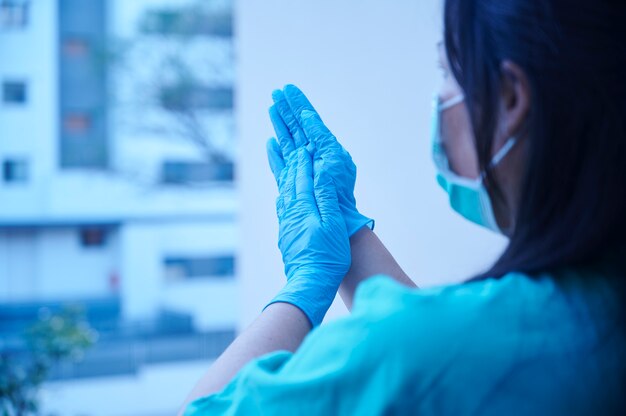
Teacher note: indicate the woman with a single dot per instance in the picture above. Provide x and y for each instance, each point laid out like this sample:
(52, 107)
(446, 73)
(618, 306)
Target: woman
(529, 139)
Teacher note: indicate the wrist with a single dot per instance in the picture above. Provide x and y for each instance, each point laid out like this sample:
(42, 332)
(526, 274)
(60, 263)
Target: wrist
(355, 221)
(290, 312)
(309, 295)
(359, 237)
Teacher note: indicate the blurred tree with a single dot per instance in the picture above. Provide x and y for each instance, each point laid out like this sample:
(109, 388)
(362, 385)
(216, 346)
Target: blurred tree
(52, 339)
(175, 79)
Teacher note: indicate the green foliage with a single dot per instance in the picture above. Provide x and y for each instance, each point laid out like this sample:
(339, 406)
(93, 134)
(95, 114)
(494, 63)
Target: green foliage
(193, 20)
(53, 338)
(175, 77)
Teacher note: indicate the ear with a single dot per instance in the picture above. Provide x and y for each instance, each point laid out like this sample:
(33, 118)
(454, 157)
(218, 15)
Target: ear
(514, 102)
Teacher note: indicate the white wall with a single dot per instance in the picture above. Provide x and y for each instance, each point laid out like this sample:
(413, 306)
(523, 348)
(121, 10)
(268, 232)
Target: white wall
(30, 130)
(68, 270)
(51, 264)
(369, 66)
(144, 245)
(18, 278)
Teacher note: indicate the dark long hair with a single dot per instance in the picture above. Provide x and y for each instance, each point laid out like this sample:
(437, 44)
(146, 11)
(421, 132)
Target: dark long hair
(573, 196)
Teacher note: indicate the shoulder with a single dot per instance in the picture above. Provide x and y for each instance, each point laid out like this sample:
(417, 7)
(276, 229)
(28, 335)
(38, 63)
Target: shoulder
(437, 322)
(381, 295)
(425, 331)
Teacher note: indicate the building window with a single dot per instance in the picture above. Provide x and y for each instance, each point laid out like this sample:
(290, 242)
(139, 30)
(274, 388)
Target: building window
(187, 21)
(75, 47)
(13, 14)
(76, 124)
(184, 172)
(15, 170)
(93, 237)
(190, 96)
(184, 268)
(14, 92)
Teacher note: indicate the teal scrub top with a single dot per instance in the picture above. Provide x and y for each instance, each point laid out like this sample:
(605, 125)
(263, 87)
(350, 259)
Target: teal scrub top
(514, 345)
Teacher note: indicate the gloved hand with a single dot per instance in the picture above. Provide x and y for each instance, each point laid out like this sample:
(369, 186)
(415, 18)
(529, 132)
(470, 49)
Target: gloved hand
(296, 124)
(312, 234)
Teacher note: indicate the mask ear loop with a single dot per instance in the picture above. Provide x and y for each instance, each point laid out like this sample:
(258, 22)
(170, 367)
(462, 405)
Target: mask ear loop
(451, 102)
(500, 154)
(503, 151)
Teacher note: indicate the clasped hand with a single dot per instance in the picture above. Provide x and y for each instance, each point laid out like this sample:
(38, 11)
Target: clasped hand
(316, 207)
(312, 235)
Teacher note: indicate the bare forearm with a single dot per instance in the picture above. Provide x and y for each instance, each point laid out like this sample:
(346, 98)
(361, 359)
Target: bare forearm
(281, 326)
(369, 257)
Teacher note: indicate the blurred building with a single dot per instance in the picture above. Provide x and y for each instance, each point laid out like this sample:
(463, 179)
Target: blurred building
(138, 226)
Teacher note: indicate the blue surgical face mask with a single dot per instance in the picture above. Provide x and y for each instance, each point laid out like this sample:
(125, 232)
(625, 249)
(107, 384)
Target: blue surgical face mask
(468, 197)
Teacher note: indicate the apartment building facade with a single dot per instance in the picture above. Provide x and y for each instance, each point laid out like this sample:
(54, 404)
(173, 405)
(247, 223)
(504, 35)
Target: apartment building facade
(138, 226)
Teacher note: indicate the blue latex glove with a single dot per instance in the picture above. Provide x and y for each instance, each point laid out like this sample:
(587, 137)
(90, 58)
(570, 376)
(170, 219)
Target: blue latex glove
(312, 237)
(296, 124)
